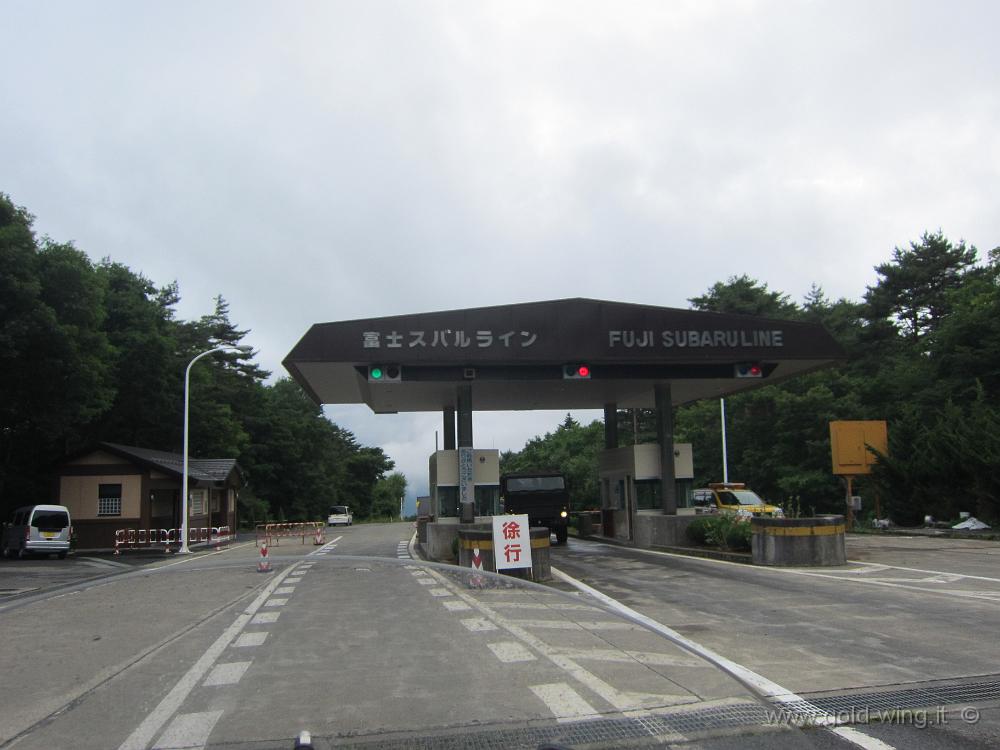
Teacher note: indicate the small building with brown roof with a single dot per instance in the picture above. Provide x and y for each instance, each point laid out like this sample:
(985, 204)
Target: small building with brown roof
(110, 487)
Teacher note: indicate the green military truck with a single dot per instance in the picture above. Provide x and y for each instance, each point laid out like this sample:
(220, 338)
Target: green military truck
(541, 495)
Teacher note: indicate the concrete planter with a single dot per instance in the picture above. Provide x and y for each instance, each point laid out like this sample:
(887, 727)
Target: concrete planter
(799, 541)
(481, 537)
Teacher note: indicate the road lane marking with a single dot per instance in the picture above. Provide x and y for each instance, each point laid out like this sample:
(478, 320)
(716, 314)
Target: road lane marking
(154, 721)
(649, 658)
(757, 683)
(247, 640)
(226, 674)
(621, 701)
(295, 580)
(846, 576)
(265, 618)
(543, 606)
(284, 590)
(576, 624)
(850, 734)
(276, 602)
(425, 581)
(454, 605)
(188, 731)
(510, 652)
(478, 624)
(439, 592)
(564, 702)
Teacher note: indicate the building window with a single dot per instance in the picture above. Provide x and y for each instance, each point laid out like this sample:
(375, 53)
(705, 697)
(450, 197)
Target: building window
(197, 504)
(109, 500)
(216, 501)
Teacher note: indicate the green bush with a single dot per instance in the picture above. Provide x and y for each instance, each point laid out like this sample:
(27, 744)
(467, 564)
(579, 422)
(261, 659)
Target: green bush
(725, 531)
(697, 531)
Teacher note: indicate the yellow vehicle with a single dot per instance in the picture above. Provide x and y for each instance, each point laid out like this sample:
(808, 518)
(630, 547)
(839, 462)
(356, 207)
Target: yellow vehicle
(732, 497)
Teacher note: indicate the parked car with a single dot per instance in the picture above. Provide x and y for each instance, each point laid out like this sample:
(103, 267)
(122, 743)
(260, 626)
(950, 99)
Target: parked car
(42, 529)
(732, 497)
(340, 515)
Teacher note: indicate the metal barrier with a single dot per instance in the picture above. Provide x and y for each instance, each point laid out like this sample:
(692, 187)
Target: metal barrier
(132, 539)
(272, 533)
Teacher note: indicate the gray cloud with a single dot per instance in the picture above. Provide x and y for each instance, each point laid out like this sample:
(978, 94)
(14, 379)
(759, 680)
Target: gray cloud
(326, 161)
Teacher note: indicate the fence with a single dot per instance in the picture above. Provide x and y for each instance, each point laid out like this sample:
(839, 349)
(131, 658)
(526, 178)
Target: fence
(131, 539)
(273, 533)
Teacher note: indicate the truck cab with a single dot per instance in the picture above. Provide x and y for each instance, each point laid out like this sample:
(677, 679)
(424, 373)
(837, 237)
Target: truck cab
(540, 495)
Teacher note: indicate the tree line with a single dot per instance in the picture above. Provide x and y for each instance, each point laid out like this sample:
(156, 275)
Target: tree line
(923, 347)
(93, 352)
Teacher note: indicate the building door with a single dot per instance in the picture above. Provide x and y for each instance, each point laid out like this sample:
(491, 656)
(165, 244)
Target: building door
(163, 511)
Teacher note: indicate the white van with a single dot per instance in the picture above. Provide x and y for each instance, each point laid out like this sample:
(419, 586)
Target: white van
(45, 529)
(340, 515)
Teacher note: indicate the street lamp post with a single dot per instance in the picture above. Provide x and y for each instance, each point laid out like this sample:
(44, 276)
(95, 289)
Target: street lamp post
(185, 550)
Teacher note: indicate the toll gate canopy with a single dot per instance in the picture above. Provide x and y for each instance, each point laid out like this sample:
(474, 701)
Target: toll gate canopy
(559, 354)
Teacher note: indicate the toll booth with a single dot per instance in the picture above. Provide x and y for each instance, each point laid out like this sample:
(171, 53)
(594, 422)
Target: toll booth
(445, 482)
(630, 486)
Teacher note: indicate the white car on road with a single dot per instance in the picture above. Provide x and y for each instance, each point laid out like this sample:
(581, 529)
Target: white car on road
(340, 515)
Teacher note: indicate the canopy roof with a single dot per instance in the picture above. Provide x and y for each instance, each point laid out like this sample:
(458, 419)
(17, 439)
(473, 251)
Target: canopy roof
(513, 356)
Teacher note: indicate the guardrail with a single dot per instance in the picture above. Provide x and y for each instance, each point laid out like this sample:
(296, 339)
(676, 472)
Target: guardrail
(132, 539)
(272, 533)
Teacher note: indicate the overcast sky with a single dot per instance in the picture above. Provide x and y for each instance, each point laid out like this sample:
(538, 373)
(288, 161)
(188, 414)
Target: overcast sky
(323, 161)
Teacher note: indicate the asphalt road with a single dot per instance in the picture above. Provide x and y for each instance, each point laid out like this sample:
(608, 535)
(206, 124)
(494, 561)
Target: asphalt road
(363, 646)
(907, 616)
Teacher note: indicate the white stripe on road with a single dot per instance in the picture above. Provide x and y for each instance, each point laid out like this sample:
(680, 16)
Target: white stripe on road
(757, 683)
(143, 734)
(247, 640)
(576, 625)
(564, 702)
(439, 592)
(276, 602)
(847, 576)
(295, 580)
(859, 738)
(188, 731)
(226, 674)
(425, 581)
(284, 590)
(453, 605)
(478, 624)
(510, 651)
(265, 618)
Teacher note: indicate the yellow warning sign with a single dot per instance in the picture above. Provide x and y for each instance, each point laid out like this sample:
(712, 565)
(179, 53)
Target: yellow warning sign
(848, 441)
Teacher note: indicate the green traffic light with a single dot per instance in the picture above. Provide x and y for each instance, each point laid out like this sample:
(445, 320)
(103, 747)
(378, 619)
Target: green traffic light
(376, 373)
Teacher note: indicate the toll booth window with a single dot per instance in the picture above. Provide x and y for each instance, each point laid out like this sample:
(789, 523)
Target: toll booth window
(487, 499)
(534, 484)
(647, 494)
(447, 502)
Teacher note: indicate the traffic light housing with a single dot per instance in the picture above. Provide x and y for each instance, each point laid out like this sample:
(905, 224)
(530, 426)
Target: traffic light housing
(576, 372)
(748, 370)
(385, 374)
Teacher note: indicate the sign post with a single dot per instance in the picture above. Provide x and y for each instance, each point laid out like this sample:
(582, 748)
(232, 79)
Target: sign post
(511, 542)
(466, 485)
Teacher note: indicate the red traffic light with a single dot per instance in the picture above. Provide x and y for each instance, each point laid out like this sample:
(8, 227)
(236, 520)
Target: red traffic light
(576, 372)
(749, 370)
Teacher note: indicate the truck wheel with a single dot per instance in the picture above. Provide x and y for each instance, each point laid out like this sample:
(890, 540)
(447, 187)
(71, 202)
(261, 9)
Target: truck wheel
(22, 554)
(562, 533)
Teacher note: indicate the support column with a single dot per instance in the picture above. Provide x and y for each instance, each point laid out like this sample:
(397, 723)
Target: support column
(449, 428)
(610, 426)
(465, 415)
(468, 509)
(665, 437)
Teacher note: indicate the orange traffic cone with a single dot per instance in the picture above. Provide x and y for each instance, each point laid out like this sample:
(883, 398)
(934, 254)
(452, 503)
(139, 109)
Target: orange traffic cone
(320, 537)
(264, 564)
